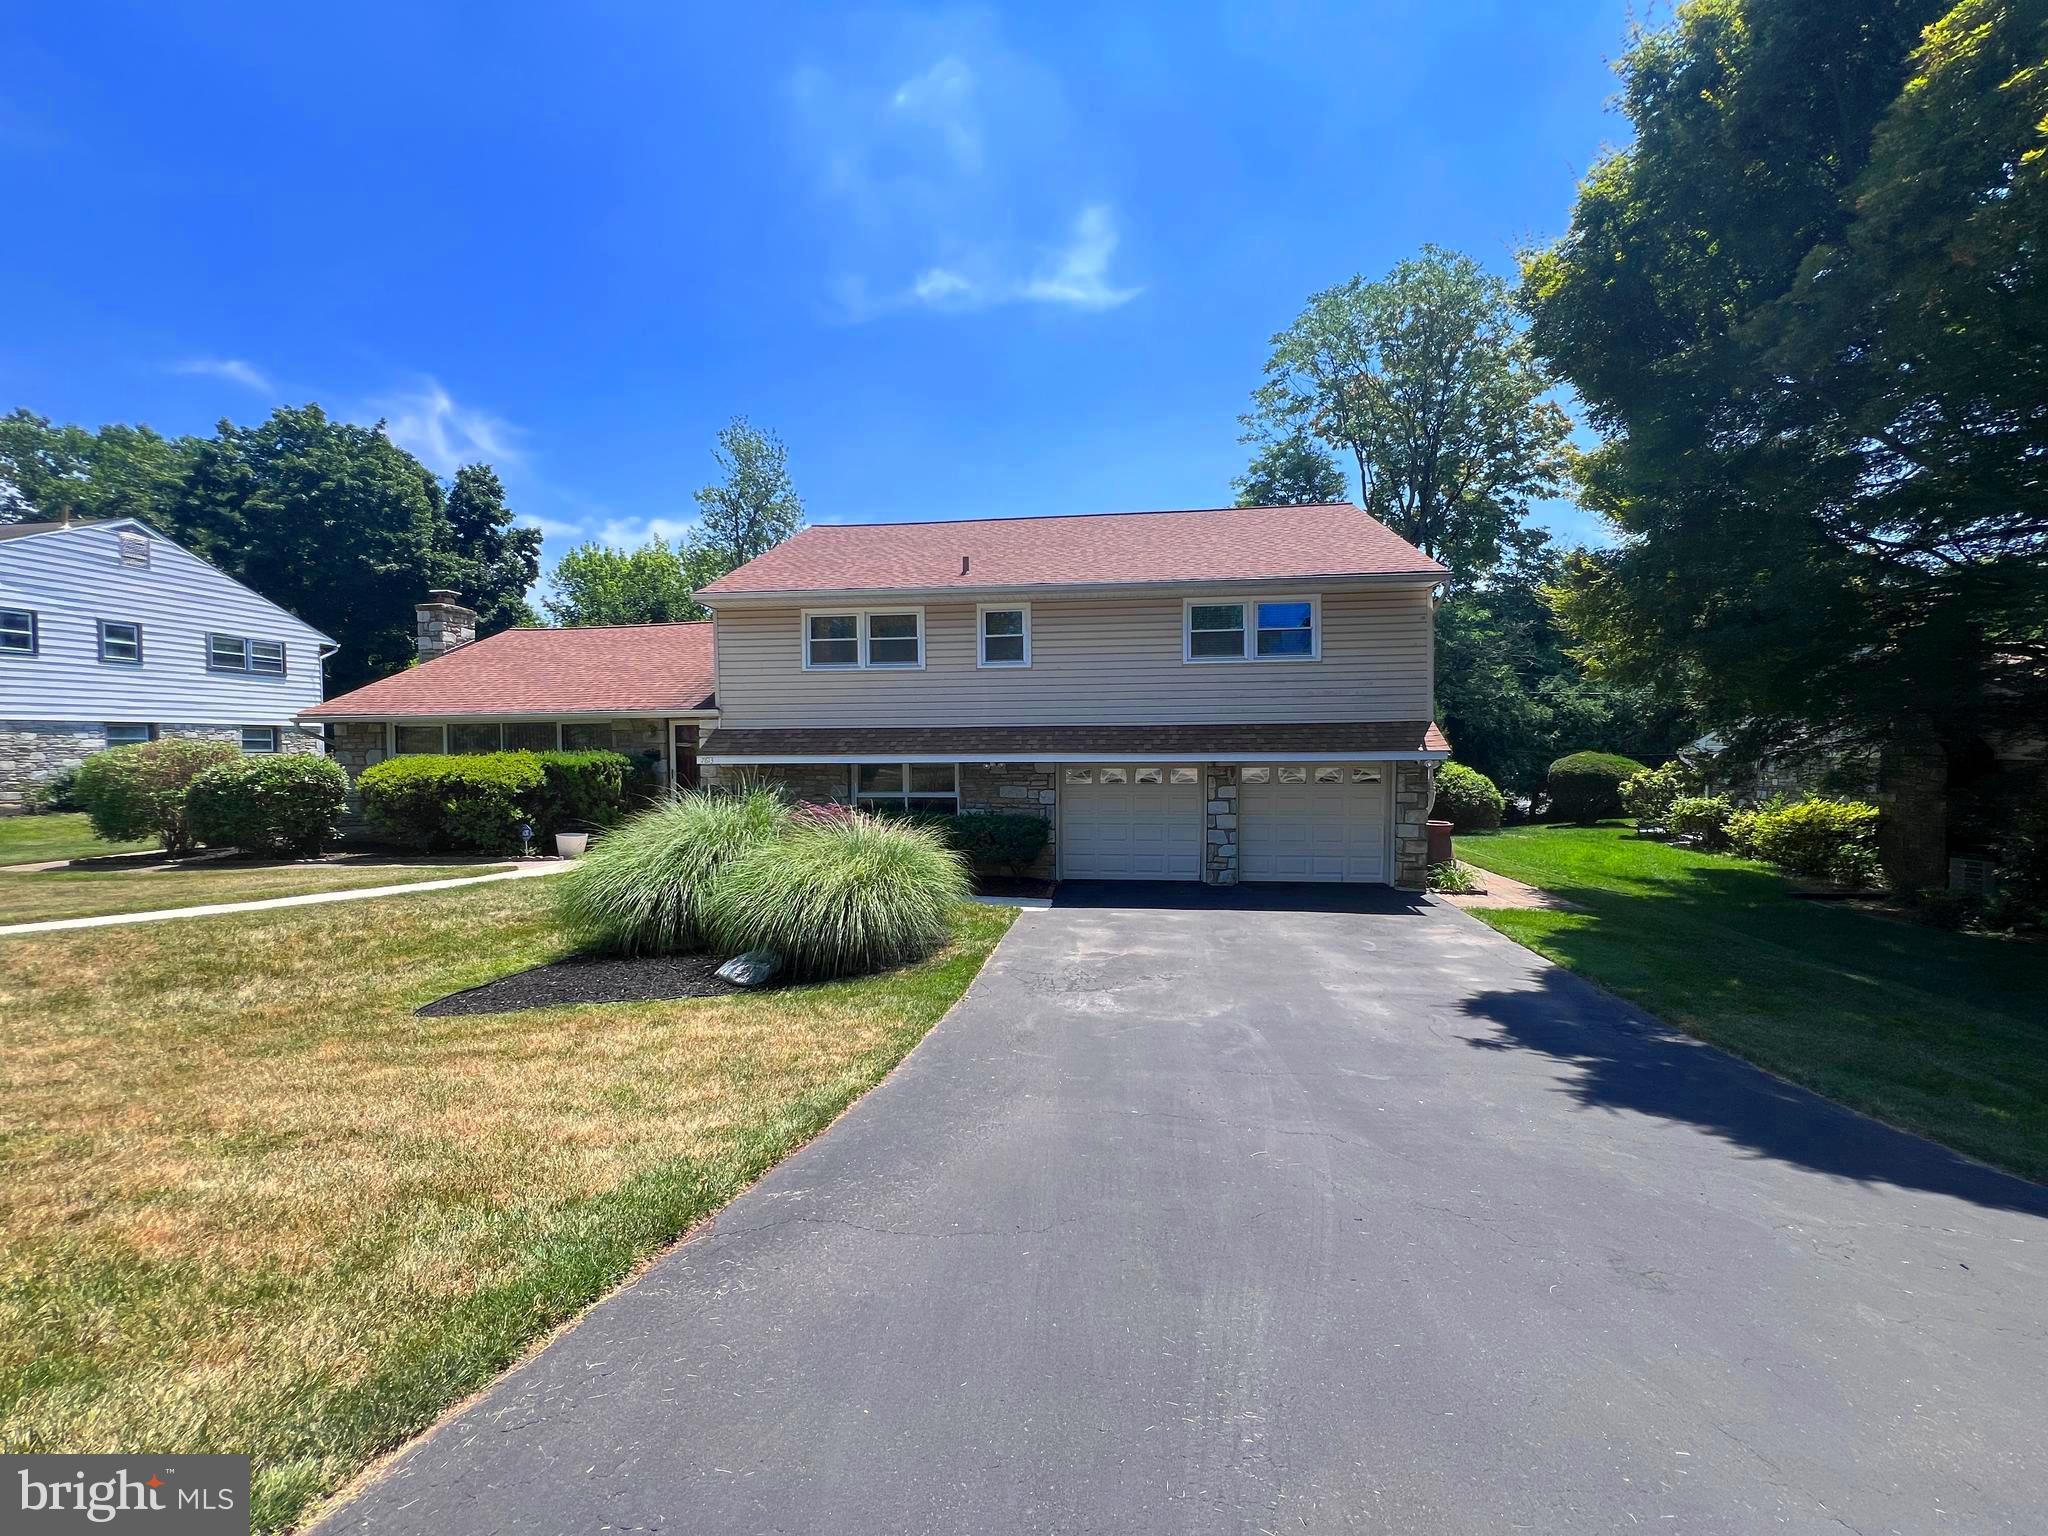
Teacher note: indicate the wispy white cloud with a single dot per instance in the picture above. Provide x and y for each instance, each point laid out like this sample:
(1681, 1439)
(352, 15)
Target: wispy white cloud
(633, 532)
(952, 174)
(444, 434)
(233, 369)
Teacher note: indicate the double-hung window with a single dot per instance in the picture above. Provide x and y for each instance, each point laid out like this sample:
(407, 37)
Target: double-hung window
(1005, 636)
(121, 643)
(235, 653)
(17, 632)
(918, 789)
(259, 738)
(1276, 629)
(877, 638)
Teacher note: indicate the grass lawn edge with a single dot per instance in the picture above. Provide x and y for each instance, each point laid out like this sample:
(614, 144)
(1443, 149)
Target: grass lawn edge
(808, 1119)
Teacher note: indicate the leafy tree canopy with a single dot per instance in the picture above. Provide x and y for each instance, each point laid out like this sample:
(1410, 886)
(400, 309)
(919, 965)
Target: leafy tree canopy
(654, 584)
(1291, 471)
(330, 520)
(1808, 306)
(755, 507)
(1425, 380)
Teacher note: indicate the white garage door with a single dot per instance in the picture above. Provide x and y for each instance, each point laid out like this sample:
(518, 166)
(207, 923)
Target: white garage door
(1130, 822)
(1313, 821)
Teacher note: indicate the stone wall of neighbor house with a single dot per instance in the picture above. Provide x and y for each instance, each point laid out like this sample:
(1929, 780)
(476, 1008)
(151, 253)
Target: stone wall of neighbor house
(1219, 853)
(1414, 787)
(33, 751)
(1024, 789)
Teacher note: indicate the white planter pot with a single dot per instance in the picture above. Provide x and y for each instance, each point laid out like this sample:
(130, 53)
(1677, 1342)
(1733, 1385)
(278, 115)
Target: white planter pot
(570, 845)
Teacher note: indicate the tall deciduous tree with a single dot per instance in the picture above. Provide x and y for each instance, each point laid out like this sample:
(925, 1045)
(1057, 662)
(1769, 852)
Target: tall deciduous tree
(1809, 309)
(489, 558)
(1291, 471)
(1425, 380)
(755, 507)
(654, 584)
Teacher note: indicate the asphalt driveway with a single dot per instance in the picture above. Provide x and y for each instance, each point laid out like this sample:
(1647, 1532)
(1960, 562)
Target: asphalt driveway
(1215, 1216)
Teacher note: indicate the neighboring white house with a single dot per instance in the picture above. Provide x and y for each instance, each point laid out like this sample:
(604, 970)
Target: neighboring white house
(110, 634)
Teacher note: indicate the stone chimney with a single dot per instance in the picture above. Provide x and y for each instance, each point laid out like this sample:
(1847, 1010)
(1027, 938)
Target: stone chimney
(444, 624)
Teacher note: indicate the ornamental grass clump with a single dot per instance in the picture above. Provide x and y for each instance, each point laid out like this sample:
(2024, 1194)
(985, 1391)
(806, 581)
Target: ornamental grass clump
(641, 888)
(839, 896)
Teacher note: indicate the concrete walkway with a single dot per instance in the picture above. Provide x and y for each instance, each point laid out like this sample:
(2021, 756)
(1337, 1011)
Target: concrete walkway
(524, 870)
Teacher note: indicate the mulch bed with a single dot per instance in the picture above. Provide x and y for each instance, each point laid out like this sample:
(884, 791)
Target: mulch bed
(1011, 885)
(590, 979)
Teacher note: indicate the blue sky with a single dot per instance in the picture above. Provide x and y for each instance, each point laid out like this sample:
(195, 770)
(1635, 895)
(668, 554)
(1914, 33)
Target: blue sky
(967, 261)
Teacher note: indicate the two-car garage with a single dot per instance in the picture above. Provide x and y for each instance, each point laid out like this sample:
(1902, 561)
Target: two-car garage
(1322, 822)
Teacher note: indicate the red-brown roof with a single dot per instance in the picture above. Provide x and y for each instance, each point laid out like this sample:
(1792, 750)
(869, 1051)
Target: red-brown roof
(1017, 743)
(1220, 544)
(623, 669)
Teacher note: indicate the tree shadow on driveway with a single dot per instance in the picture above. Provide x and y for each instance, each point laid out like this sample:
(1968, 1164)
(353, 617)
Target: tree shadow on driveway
(1625, 1061)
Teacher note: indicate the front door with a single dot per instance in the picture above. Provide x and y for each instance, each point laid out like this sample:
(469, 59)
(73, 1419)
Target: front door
(685, 754)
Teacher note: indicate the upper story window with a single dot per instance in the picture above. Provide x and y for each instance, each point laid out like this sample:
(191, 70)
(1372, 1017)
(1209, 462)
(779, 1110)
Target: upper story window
(235, 653)
(1005, 636)
(17, 632)
(1276, 629)
(121, 643)
(259, 738)
(132, 548)
(876, 638)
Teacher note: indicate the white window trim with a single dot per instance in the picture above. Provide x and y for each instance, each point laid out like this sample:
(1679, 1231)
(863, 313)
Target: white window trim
(107, 729)
(981, 613)
(1251, 629)
(906, 794)
(860, 616)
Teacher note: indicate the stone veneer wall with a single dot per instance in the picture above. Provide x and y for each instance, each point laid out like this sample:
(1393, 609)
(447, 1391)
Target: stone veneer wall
(1220, 841)
(1414, 788)
(1021, 789)
(32, 751)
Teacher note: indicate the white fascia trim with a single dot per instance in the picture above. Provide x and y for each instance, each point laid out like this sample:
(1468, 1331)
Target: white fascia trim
(841, 599)
(724, 761)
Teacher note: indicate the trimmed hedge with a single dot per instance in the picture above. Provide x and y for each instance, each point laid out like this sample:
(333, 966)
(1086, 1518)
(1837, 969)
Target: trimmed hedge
(1467, 799)
(1586, 786)
(269, 804)
(477, 803)
(130, 793)
(997, 840)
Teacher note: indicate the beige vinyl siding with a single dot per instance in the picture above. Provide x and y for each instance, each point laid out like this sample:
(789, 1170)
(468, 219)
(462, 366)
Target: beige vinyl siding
(1093, 660)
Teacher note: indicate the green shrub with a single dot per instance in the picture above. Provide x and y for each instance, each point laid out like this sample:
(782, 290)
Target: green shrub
(1705, 817)
(1809, 836)
(1856, 865)
(637, 891)
(997, 840)
(1467, 799)
(477, 802)
(57, 793)
(1648, 796)
(130, 793)
(269, 804)
(449, 804)
(1740, 832)
(839, 895)
(1587, 785)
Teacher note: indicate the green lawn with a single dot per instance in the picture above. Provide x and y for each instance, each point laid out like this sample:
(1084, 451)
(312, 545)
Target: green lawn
(250, 1201)
(37, 839)
(34, 896)
(1942, 1033)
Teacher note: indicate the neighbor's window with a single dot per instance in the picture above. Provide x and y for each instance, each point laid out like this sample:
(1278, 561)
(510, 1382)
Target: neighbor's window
(235, 653)
(896, 639)
(919, 788)
(409, 739)
(130, 735)
(18, 631)
(472, 736)
(132, 548)
(1005, 637)
(832, 640)
(120, 642)
(1283, 629)
(586, 735)
(529, 735)
(259, 738)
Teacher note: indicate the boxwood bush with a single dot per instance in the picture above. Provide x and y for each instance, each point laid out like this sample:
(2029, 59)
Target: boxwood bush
(131, 793)
(1586, 786)
(638, 889)
(1005, 841)
(476, 803)
(1467, 799)
(838, 895)
(269, 804)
